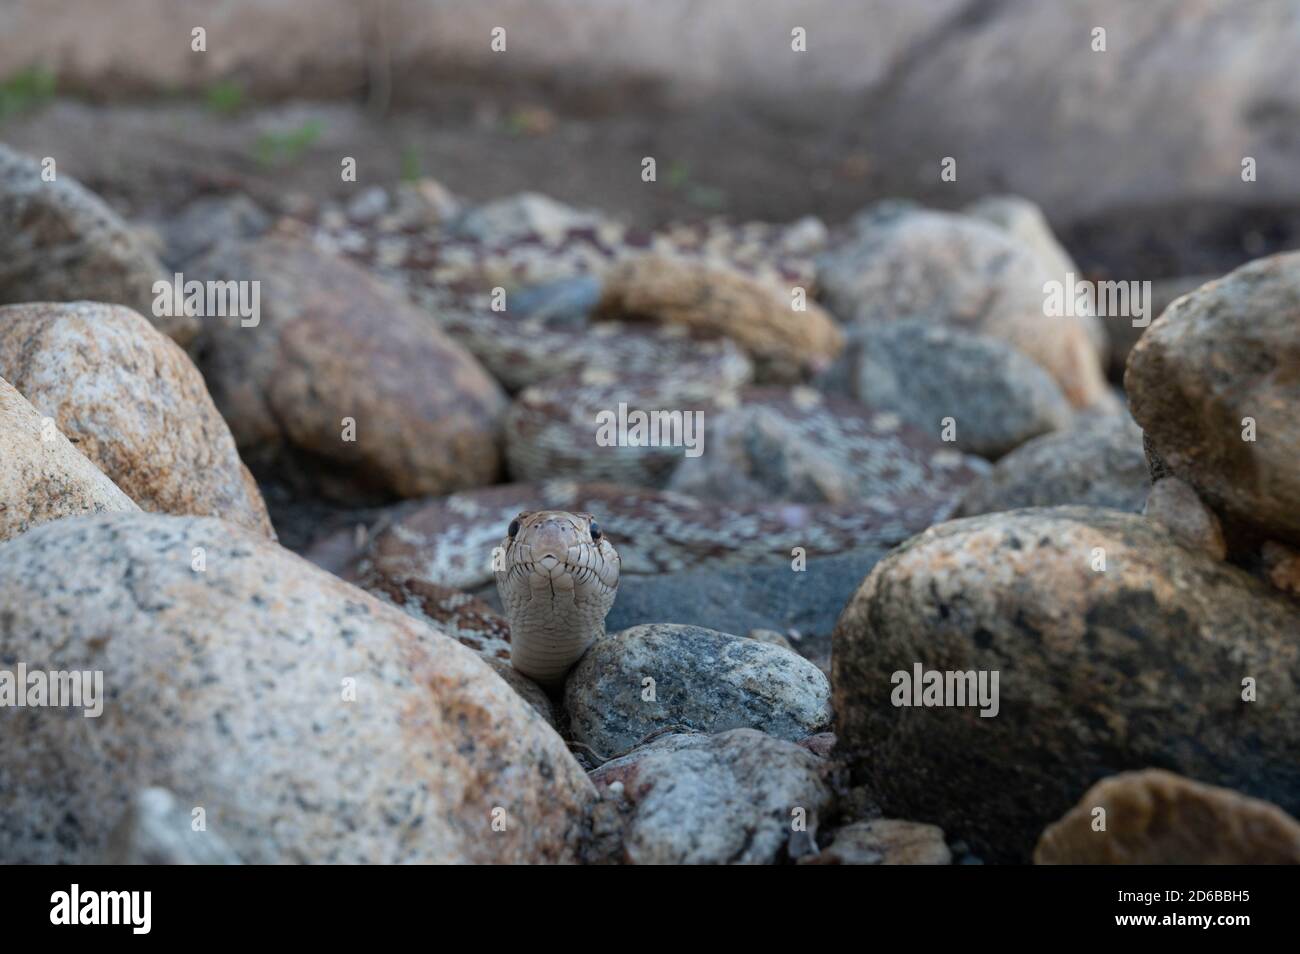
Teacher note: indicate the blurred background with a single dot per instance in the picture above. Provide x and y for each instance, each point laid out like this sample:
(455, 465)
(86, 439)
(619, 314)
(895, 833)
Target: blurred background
(1134, 153)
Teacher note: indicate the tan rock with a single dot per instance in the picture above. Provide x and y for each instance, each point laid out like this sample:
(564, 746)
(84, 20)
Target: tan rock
(1123, 335)
(1101, 666)
(713, 300)
(312, 722)
(899, 261)
(884, 841)
(334, 343)
(135, 404)
(1023, 219)
(1213, 384)
(40, 479)
(1154, 817)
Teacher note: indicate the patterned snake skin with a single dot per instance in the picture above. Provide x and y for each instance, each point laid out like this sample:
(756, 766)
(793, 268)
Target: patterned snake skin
(562, 359)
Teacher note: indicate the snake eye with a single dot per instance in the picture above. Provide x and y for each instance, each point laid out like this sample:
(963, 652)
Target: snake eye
(512, 529)
(595, 530)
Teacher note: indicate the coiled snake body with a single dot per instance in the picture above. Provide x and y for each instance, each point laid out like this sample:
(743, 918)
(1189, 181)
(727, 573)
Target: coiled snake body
(683, 319)
(557, 576)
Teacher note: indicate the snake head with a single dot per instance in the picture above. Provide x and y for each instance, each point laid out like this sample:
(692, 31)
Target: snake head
(563, 550)
(557, 580)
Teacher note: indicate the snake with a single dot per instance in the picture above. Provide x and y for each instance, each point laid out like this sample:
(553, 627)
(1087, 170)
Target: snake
(429, 557)
(761, 497)
(449, 541)
(557, 576)
(597, 314)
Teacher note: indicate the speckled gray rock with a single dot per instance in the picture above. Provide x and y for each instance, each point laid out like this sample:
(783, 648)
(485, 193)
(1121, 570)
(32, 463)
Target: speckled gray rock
(884, 841)
(899, 261)
(1098, 463)
(566, 301)
(1174, 503)
(739, 797)
(744, 598)
(1218, 356)
(62, 243)
(135, 405)
(1159, 818)
(156, 829)
(44, 479)
(312, 722)
(703, 680)
(334, 344)
(997, 397)
(1100, 671)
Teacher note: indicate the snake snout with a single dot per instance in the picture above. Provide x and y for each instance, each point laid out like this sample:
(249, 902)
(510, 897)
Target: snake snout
(558, 582)
(549, 544)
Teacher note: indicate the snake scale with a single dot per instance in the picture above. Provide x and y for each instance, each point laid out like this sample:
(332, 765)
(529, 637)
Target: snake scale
(570, 350)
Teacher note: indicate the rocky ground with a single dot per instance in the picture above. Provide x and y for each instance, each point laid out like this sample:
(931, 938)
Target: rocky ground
(273, 535)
